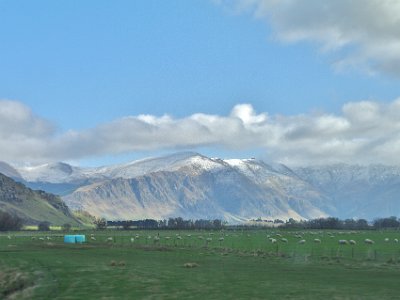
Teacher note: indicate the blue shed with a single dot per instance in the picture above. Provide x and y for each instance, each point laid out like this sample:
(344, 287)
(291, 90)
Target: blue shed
(73, 239)
(80, 238)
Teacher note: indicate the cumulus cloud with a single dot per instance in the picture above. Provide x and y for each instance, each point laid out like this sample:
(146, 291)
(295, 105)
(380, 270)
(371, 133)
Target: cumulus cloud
(362, 34)
(364, 132)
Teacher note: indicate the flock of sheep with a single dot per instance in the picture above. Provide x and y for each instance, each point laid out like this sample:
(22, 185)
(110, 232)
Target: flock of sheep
(278, 237)
(208, 238)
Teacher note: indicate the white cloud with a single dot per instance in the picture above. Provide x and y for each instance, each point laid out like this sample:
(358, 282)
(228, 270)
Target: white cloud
(365, 132)
(364, 34)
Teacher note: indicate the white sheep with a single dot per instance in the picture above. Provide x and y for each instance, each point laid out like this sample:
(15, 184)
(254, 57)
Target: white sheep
(156, 239)
(284, 240)
(48, 238)
(109, 239)
(343, 242)
(386, 240)
(9, 237)
(41, 239)
(92, 238)
(179, 237)
(396, 240)
(317, 241)
(301, 242)
(209, 239)
(200, 237)
(273, 241)
(132, 239)
(369, 241)
(353, 242)
(167, 237)
(221, 239)
(188, 235)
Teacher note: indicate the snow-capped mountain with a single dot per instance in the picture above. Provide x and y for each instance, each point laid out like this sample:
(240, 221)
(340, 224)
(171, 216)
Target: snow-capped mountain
(191, 185)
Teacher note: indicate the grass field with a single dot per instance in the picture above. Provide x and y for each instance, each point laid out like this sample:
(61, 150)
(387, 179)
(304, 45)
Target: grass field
(244, 265)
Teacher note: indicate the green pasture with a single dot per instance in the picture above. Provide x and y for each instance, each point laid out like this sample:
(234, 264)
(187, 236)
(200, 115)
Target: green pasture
(226, 264)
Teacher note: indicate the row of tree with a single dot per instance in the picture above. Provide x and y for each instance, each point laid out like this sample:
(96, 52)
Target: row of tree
(171, 223)
(347, 224)
(9, 222)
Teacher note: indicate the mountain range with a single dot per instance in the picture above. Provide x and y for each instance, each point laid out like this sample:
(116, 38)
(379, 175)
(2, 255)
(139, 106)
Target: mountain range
(192, 185)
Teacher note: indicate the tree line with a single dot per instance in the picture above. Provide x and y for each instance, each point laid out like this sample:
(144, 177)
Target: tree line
(171, 223)
(11, 222)
(347, 224)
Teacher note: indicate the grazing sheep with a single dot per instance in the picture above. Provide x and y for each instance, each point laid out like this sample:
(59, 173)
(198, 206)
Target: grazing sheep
(209, 239)
(189, 235)
(41, 238)
(137, 236)
(352, 242)
(149, 237)
(9, 237)
(298, 236)
(318, 241)
(156, 239)
(284, 240)
(301, 242)
(221, 239)
(278, 235)
(132, 239)
(386, 240)
(396, 240)
(190, 265)
(343, 242)
(167, 237)
(200, 237)
(179, 237)
(92, 238)
(368, 241)
(273, 241)
(109, 239)
(48, 238)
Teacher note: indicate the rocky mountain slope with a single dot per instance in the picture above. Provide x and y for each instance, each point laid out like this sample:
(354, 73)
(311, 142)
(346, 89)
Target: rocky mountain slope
(194, 186)
(32, 206)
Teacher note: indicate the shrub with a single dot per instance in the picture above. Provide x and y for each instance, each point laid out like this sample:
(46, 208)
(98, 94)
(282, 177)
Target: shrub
(9, 221)
(101, 223)
(66, 227)
(44, 226)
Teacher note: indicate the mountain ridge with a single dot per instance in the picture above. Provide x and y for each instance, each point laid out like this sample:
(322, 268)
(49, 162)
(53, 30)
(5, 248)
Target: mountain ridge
(32, 206)
(192, 183)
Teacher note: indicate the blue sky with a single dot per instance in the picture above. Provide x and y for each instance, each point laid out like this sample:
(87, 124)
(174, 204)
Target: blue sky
(78, 66)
